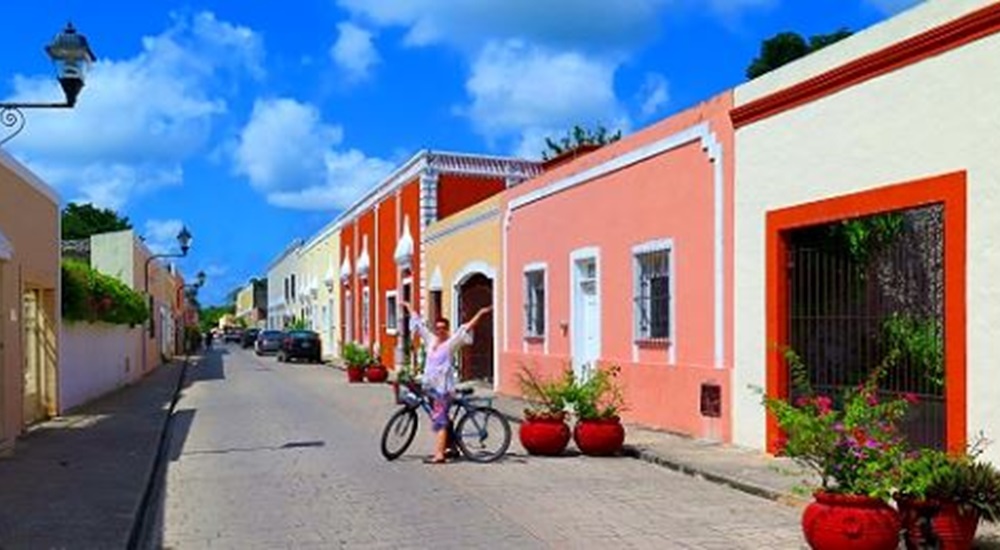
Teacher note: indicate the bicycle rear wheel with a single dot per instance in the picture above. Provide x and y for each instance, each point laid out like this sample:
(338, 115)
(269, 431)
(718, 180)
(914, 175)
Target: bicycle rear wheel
(399, 432)
(483, 434)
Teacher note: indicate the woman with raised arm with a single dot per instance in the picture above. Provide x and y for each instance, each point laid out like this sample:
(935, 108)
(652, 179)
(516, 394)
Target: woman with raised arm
(439, 372)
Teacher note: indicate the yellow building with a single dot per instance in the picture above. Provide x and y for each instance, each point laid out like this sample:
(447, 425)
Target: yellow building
(251, 303)
(463, 260)
(319, 273)
(29, 304)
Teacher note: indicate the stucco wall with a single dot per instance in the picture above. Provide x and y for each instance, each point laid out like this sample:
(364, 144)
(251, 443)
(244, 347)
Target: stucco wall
(96, 359)
(936, 116)
(461, 245)
(669, 182)
(318, 261)
(29, 219)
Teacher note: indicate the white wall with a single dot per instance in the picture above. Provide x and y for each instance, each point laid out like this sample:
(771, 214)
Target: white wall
(96, 358)
(940, 115)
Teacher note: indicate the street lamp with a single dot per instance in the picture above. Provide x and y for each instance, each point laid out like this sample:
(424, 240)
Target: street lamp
(71, 55)
(184, 240)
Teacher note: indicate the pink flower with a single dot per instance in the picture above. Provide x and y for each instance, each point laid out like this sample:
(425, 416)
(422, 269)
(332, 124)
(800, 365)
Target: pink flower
(911, 398)
(824, 404)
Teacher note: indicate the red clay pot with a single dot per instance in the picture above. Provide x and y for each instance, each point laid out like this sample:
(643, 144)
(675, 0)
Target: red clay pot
(954, 527)
(854, 522)
(355, 374)
(545, 435)
(603, 437)
(376, 374)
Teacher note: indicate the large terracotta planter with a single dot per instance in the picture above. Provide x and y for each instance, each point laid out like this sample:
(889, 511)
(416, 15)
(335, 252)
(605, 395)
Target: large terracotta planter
(376, 373)
(355, 374)
(953, 527)
(544, 435)
(850, 522)
(602, 437)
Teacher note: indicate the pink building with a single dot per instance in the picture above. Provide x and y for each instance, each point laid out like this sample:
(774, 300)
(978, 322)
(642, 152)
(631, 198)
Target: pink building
(622, 256)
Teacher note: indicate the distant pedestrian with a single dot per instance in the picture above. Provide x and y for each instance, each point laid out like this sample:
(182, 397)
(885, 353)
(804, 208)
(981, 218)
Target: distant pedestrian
(439, 371)
(208, 340)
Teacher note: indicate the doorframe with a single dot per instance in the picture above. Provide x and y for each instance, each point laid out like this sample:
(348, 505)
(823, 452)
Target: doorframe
(576, 256)
(479, 267)
(947, 189)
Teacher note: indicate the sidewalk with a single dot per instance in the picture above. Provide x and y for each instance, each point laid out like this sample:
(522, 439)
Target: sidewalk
(77, 481)
(745, 470)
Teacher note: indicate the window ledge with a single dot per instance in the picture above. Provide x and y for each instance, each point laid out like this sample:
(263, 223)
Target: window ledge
(653, 343)
(534, 339)
(391, 331)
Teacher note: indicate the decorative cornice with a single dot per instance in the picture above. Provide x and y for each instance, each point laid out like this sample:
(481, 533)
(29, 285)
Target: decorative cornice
(404, 247)
(951, 35)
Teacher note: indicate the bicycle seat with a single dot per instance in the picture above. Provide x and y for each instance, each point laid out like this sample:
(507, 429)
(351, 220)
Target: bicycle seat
(465, 390)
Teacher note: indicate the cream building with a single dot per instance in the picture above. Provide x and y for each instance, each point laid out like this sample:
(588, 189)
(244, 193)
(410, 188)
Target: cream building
(899, 118)
(319, 272)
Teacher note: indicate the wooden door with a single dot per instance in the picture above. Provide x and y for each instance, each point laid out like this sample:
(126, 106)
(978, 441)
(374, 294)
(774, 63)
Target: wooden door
(477, 358)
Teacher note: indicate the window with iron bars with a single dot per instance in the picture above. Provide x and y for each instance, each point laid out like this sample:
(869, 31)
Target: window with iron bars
(534, 303)
(652, 295)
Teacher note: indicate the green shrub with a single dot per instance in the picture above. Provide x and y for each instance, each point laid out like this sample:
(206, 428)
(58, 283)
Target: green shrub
(90, 296)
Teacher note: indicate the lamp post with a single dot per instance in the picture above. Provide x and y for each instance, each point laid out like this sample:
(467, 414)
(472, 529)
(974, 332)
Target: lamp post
(71, 54)
(184, 240)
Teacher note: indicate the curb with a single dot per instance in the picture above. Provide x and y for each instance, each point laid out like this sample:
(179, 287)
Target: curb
(139, 524)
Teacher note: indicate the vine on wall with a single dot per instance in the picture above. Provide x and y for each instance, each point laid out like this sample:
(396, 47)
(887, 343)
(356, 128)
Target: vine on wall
(90, 296)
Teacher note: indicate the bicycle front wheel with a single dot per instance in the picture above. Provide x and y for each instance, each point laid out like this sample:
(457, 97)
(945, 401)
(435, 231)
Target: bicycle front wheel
(399, 432)
(483, 434)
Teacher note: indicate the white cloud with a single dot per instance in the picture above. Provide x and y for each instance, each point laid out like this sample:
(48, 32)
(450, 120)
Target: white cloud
(161, 235)
(524, 92)
(893, 6)
(467, 23)
(655, 93)
(354, 51)
(289, 154)
(137, 119)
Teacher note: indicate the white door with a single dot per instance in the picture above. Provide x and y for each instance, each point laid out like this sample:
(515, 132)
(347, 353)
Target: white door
(586, 330)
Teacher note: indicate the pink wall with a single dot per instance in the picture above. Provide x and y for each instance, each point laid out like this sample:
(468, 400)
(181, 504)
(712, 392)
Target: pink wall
(667, 196)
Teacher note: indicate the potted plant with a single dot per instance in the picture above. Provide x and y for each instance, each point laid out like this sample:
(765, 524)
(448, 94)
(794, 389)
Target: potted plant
(374, 371)
(356, 358)
(943, 497)
(597, 401)
(544, 430)
(858, 453)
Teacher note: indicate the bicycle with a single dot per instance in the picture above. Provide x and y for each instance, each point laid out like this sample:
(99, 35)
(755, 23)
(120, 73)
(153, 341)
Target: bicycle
(470, 432)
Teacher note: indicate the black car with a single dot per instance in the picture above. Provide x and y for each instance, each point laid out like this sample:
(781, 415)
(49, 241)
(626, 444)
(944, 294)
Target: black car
(300, 344)
(249, 337)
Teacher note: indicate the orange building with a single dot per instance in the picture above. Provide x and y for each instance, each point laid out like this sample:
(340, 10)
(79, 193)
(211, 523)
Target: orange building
(380, 240)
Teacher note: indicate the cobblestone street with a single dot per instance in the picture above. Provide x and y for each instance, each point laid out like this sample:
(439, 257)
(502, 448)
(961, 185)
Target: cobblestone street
(267, 455)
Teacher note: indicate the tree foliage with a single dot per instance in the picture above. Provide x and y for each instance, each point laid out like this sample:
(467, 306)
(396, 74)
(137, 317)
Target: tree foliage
(80, 221)
(209, 317)
(785, 47)
(578, 137)
(91, 296)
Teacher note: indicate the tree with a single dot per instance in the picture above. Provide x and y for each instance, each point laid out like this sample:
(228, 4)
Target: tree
(786, 47)
(80, 221)
(577, 137)
(209, 317)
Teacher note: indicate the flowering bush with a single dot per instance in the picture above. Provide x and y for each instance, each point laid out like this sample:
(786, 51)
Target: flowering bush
(853, 444)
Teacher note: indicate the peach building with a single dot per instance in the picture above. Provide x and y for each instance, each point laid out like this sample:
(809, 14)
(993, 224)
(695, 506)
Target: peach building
(898, 123)
(622, 256)
(29, 299)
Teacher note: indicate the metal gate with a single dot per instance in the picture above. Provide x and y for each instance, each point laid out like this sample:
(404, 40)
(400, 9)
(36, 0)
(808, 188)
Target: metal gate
(863, 289)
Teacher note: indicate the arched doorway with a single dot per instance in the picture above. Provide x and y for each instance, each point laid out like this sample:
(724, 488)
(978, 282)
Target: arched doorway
(477, 359)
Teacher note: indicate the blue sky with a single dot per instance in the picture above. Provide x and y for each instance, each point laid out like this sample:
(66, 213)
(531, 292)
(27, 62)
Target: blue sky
(254, 123)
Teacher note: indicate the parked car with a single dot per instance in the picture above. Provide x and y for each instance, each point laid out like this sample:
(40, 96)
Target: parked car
(268, 341)
(300, 344)
(249, 337)
(232, 335)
